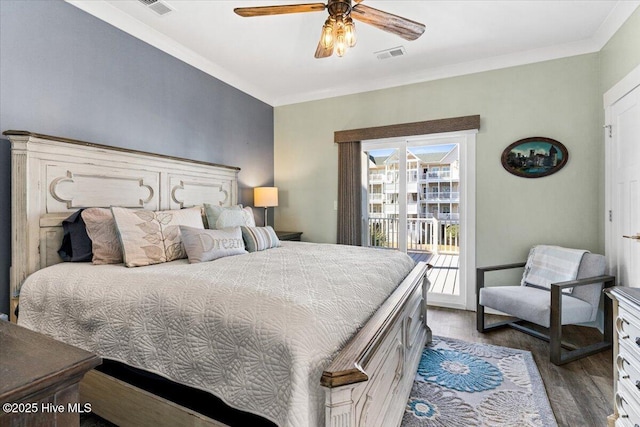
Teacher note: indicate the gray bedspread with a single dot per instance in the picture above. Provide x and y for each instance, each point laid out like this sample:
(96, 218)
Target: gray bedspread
(256, 330)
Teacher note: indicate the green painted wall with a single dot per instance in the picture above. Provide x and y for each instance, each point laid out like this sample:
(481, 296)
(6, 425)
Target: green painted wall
(559, 99)
(621, 54)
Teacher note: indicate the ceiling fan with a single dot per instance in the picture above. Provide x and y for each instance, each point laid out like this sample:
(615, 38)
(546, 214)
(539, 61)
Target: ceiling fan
(339, 31)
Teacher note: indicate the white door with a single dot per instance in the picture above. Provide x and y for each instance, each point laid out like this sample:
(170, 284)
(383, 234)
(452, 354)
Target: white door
(624, 118)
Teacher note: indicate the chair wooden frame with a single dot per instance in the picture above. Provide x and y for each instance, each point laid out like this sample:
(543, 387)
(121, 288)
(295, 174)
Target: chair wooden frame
(554, 336)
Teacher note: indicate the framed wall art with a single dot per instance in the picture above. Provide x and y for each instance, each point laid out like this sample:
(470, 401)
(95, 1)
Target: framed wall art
(534, 157)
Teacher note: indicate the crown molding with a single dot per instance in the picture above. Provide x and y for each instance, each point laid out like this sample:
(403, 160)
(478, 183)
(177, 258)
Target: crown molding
(616, 18)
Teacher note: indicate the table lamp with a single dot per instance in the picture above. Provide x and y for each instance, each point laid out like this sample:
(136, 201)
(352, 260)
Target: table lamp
(265, 197)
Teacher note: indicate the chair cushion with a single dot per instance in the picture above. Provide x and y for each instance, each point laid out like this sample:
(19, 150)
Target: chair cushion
(592, 265)
(533, 304)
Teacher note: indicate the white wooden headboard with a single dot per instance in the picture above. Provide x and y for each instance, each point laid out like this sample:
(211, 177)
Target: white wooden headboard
(53, 177)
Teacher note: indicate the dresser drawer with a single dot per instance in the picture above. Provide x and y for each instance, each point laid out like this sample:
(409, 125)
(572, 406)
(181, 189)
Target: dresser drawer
(627, 399)
(628, 368)
(628, 329)
(626, 407)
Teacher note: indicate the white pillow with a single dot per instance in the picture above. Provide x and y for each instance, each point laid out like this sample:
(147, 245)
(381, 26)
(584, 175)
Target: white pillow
(149, 237)
(207, 245)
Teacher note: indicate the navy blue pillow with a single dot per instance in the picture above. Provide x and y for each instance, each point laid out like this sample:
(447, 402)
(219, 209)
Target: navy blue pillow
(76, 244)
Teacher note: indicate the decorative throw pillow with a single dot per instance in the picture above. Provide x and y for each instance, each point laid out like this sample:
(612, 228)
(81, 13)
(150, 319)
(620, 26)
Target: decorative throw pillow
(212, 212)
(219, 217)
(76, 244)
(103, 233)
(259, 238)
(149, 237)
(207, 245)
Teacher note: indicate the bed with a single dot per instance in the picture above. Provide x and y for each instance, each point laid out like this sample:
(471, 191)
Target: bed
(356, 325)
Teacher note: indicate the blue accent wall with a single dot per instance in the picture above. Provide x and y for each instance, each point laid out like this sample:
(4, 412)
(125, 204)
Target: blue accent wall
(66, 73)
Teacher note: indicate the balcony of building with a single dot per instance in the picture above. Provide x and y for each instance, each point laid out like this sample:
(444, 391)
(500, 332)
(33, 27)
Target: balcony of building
(391, 189)
(440, 197)
(393, 208)
(376, 198)
(377, 178)
(441, 216)
(412, 208)
(435, 176)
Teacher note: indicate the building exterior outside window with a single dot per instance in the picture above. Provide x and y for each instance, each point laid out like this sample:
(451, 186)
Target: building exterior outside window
(433, 185)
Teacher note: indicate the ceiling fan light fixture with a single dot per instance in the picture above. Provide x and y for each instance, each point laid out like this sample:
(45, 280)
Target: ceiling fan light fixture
(328, 38)
(339, 31)
(341, 41)
(350, 32)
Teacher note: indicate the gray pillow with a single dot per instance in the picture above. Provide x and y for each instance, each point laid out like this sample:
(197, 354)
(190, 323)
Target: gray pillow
(207, 245)
(219, 217)
(260, 238)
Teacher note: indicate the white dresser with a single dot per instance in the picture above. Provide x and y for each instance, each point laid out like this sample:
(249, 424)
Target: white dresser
(626, 354)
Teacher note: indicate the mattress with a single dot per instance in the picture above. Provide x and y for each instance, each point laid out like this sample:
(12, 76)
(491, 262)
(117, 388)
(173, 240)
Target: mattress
(256, 330)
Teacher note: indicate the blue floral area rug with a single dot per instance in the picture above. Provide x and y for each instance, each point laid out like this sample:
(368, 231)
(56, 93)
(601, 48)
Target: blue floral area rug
(462, 384)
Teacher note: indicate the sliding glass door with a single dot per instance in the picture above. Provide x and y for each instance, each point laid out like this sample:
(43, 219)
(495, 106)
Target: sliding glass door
(413, 204)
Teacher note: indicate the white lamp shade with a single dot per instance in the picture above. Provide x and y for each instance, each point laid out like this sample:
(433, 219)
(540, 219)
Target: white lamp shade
(264, 197)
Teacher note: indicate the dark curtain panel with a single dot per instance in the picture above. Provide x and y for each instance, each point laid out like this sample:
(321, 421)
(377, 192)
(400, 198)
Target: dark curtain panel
(349, 194)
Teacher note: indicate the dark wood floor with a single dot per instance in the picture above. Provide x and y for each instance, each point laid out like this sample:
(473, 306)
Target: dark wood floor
(581, 392)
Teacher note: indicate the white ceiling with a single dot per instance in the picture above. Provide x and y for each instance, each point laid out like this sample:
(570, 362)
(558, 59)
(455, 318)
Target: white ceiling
(271, 57)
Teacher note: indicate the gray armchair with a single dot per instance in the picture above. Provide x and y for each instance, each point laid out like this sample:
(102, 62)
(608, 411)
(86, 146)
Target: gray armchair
(551, 308)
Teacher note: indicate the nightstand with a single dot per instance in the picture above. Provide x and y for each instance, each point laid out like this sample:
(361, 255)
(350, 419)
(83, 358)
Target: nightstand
(289, 235)
(40, 378)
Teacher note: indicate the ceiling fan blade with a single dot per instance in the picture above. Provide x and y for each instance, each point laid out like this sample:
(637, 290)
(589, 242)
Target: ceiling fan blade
(279, 10)
(321, 52)
(405, 28)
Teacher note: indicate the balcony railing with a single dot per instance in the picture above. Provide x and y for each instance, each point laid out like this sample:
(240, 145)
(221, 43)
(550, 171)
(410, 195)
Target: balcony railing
(440, 176)
(441, 216)
(441, 196)
(377, 178)
(376, 197)
(423, 234)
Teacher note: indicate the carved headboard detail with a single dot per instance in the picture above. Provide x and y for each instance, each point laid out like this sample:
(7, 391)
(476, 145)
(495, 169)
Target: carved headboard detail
(52, 177)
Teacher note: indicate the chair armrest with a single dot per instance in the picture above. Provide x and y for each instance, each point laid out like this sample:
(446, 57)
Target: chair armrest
(556, 301)
(501, 267)
(481, 270)
(608, 281)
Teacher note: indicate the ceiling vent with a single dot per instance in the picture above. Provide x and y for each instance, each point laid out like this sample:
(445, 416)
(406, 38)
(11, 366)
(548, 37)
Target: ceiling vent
(391, 53)
(158, 6)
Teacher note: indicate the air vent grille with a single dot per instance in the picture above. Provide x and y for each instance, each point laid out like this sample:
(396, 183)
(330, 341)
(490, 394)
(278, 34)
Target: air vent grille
(158, 6)
(390, 53)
